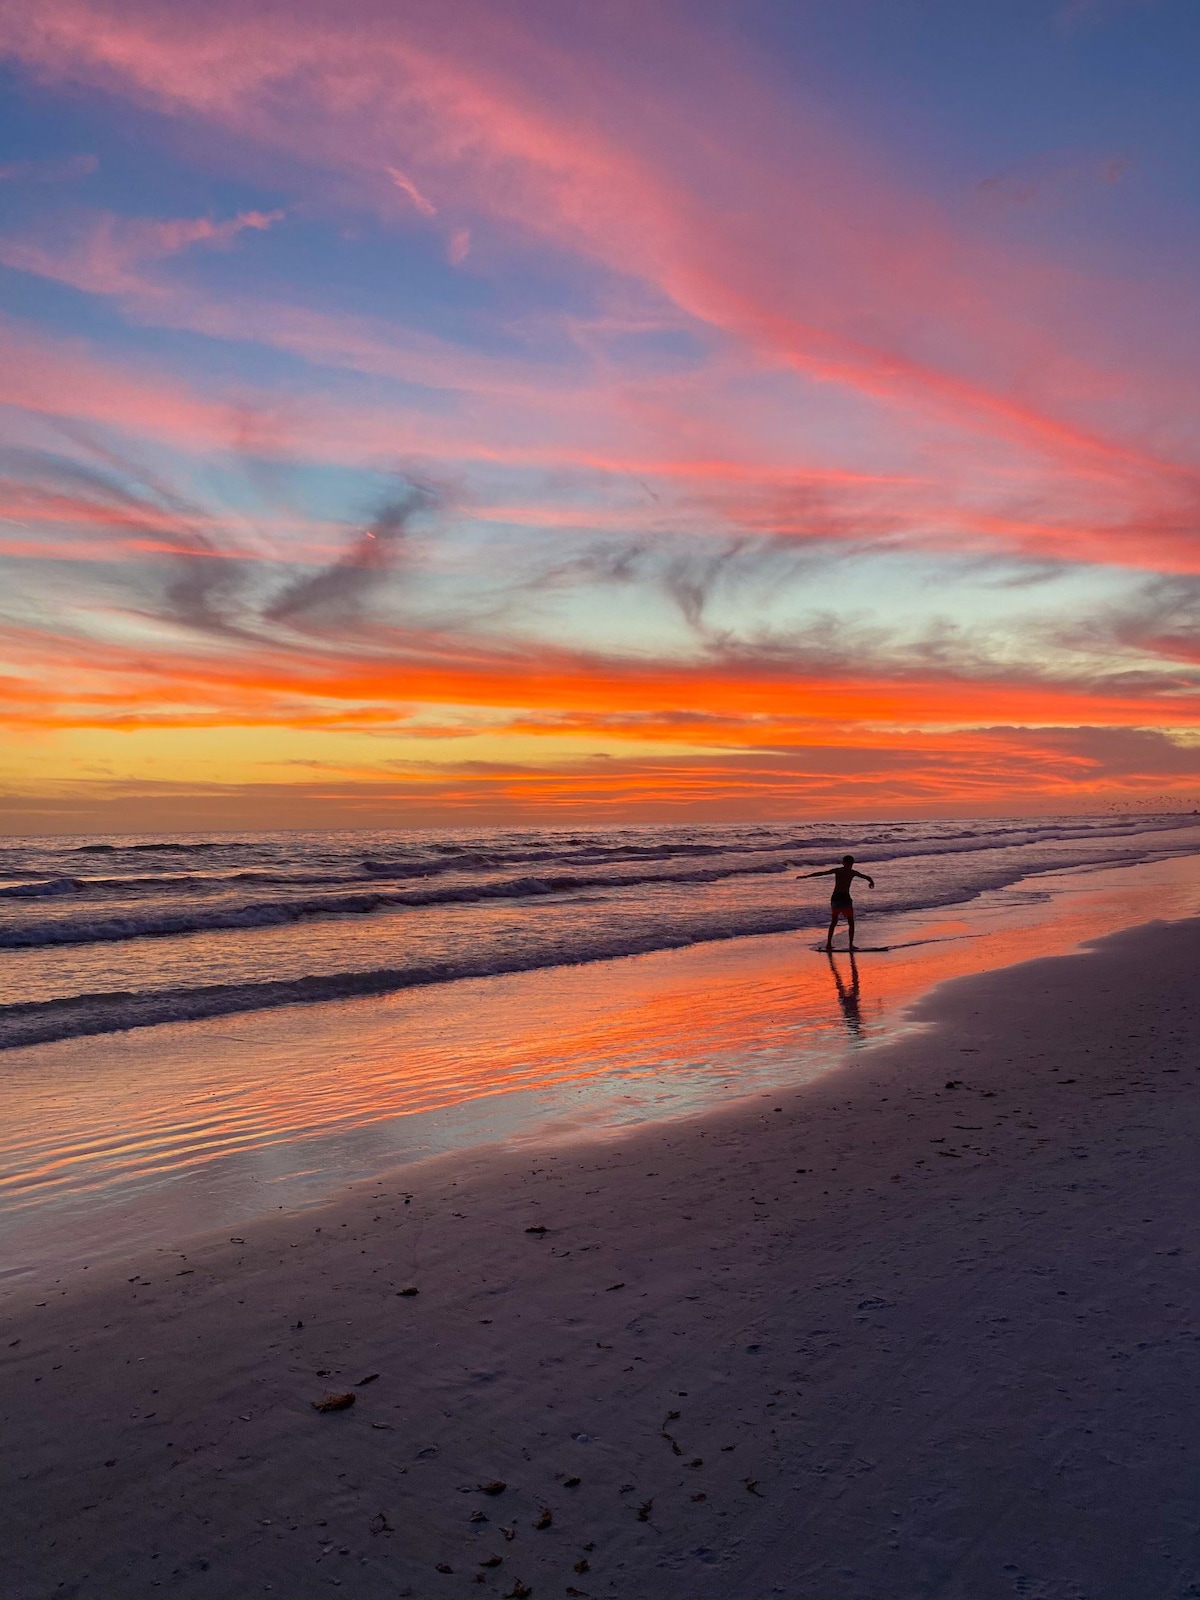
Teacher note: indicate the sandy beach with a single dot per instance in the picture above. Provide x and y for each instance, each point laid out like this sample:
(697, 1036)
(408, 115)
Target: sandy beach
(928, 1325)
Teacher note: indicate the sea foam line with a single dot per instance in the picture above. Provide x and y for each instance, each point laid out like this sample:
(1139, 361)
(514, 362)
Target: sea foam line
(353, 897)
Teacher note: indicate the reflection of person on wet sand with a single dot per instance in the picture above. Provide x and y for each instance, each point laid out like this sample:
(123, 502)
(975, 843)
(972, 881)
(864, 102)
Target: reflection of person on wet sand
(848, 997)
(841, 903)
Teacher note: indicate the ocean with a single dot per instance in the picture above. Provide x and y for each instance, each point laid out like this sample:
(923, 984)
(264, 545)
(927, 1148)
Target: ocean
(104, 934)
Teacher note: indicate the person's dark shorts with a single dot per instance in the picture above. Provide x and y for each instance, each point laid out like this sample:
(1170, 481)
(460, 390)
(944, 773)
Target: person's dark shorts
(841, 905)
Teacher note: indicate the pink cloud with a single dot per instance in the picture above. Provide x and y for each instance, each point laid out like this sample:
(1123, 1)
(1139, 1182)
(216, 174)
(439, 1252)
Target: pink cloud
(622, 479)
(63, 378)
(102, 253)
(981, 372)
(408, 187)
(526, 134)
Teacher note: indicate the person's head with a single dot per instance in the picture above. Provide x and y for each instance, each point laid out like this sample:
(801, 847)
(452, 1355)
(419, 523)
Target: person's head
(847, 861)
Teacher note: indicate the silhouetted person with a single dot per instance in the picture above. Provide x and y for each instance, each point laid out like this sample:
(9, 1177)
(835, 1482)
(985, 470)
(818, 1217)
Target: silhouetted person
(841, 902)
(848, 997)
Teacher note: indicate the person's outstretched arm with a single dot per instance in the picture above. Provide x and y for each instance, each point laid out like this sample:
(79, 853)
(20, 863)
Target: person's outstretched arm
(866, 876)
(826, 872)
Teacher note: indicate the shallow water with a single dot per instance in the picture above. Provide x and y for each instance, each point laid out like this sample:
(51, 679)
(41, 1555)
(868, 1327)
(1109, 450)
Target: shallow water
(112, 1143)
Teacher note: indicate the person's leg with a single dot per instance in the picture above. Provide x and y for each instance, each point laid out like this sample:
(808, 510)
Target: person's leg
(833, 916)
(850, 926)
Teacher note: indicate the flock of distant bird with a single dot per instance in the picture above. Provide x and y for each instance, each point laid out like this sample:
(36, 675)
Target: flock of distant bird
(1161, 805)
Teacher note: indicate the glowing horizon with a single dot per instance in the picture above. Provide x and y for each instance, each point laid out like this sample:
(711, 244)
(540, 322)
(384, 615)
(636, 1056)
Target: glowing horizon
(549, 413)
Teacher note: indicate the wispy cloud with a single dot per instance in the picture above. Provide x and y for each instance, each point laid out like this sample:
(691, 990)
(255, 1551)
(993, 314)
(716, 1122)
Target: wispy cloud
(337, 593)
(408, 187)
(1052, 179)
(103, 253)
(49, 169)
(1073, 16)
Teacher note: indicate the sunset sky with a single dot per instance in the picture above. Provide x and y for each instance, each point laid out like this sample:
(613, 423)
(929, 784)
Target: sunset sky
(432, 414)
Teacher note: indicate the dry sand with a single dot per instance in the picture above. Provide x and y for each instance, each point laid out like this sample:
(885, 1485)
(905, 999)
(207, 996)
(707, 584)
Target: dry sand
(893, 1339)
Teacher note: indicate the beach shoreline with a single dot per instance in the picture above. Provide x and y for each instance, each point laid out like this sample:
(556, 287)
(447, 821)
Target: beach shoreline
(112, 1147)
(918, 1339)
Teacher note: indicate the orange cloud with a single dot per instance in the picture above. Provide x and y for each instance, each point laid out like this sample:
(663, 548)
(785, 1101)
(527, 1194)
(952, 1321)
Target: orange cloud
(1006, 768)
(578, 692)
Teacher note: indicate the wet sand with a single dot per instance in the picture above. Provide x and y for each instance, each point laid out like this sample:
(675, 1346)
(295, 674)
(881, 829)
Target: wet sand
(892, 1339)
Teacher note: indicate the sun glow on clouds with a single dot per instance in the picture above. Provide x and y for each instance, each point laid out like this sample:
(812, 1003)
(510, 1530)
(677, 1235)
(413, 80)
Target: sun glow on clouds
(413, 414)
